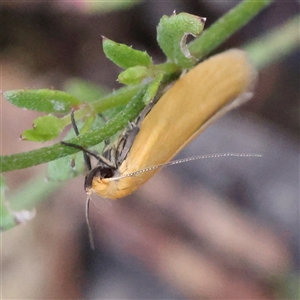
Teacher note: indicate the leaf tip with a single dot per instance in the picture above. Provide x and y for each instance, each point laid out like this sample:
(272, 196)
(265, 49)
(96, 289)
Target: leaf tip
(22, 138)
(203, 20)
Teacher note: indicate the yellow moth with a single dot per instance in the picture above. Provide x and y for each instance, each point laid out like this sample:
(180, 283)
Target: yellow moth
(197, 98)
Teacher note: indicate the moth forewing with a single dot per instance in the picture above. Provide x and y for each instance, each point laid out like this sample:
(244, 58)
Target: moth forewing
(198, 98)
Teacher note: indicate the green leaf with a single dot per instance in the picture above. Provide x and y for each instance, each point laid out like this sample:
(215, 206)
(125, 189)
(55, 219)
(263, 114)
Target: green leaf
(44, 100)
(125, 56)
(84, 90)
(44, 129)
(134, 75)
(152, 89)
(172, 33)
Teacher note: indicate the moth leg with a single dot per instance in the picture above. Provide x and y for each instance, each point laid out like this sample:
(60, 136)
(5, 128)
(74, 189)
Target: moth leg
(125, 144)
(87, 159)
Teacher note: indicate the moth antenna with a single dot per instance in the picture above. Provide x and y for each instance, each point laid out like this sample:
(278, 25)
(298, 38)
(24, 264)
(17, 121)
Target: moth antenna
(184, 160)
(87, 217)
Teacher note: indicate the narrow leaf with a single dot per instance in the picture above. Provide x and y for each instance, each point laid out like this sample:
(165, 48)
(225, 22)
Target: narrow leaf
(44, 100)
(134, 75)
(152, 89)
(125, 56)
(44, 129)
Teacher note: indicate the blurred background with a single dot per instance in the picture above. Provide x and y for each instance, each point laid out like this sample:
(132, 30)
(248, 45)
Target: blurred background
(223, 228)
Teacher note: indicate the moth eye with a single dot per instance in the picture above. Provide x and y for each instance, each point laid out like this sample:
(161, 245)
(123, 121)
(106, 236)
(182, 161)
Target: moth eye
(106, 173)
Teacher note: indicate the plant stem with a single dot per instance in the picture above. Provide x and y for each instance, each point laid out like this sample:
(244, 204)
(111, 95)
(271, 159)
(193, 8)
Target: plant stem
(224, 27)
(274, 45)
(208, 41)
